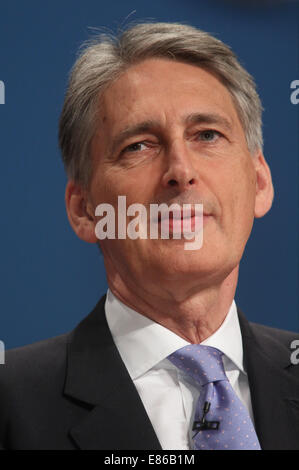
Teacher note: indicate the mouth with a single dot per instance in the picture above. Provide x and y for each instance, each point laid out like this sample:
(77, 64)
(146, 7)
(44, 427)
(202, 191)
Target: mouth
(180, 214)
(179, 221)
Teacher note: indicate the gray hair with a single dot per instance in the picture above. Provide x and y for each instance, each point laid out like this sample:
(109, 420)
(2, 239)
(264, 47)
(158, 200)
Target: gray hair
(105, 58)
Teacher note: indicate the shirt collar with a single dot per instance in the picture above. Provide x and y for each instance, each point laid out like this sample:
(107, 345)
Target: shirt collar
(228, 338)
(134, 332)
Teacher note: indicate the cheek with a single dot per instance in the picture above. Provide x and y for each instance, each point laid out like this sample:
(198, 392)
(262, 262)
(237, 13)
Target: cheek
(120, 190)
(237, 196)
(244, 204)
(137, 186)
(249, 185)
(105, 187)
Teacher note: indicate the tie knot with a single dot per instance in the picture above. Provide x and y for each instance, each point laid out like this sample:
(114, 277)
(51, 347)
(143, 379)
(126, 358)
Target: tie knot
(203, 363)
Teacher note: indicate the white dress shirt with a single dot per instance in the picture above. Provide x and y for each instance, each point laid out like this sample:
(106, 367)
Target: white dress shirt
(169, 395)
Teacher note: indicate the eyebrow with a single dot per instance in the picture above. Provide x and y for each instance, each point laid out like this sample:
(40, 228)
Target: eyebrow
(149, 125)
(209, 118)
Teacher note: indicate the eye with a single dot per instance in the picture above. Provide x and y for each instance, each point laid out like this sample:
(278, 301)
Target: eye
(135, 147)
(208, 135)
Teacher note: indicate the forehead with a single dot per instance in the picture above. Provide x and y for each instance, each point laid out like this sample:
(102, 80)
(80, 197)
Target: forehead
(164, 89)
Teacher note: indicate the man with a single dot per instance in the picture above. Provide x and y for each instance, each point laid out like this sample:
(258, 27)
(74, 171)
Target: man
(163, 114)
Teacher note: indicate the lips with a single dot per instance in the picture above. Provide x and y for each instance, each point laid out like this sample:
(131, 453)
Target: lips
(180, 214)
(179, 221)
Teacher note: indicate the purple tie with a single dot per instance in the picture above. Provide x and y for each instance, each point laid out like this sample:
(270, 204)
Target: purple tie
(221, 420)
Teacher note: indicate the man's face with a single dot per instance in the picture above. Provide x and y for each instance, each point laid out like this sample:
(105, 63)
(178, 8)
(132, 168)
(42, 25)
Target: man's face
(169, 133)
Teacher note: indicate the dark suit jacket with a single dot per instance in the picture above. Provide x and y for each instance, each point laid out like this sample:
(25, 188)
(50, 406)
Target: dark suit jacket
(74, 392)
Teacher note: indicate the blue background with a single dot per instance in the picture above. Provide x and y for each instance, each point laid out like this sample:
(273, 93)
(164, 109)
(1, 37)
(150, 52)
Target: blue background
(50, 279)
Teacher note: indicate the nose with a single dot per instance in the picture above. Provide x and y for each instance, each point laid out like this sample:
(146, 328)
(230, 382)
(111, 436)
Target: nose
(180, 172)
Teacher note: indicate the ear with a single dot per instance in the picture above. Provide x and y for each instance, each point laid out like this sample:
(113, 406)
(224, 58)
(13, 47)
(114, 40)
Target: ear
(264, 187)
(80, 212)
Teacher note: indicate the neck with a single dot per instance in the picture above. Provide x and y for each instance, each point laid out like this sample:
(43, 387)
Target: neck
(194, 313)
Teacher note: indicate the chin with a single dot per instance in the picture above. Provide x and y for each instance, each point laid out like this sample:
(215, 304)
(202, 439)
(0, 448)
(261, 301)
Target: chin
(179, 264)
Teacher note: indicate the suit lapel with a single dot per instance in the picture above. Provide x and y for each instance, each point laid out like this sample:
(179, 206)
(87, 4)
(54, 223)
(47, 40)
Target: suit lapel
(98, 380)
(273, 388)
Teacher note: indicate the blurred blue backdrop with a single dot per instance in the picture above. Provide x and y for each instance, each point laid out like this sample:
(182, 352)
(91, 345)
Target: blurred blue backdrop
(50, 279)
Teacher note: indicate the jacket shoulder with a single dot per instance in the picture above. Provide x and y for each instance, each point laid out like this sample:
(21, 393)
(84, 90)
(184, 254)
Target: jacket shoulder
(284, 337)
(29, 373)
(281, 346)
(35, 358)
(278, 345)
